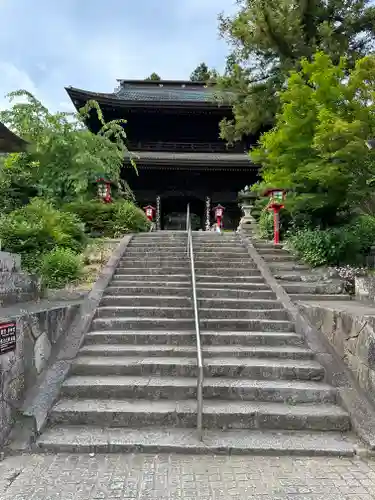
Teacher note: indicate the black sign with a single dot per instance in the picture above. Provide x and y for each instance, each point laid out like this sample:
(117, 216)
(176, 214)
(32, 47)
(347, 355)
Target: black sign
(7, 337)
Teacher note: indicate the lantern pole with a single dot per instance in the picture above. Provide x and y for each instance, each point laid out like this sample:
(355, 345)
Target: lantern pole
(277, 197)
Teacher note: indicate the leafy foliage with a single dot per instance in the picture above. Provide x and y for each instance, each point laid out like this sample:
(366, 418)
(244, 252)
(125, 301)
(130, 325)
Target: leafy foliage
(64, 158)
(153, 77)
(37, 228)
(60, 266)
(113, 219)
(265, 225)
(268, 39)
(317, 149)
(334, 246)
(128, 218)
(203, 74)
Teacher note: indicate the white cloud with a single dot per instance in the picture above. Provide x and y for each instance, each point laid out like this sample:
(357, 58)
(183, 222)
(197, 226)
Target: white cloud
(92, 47)
(13, 78)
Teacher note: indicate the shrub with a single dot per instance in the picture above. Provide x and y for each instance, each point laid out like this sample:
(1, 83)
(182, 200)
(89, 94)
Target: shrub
(97, 216)
(60, 267)
(38, 228)
(265, 225)
(112, 219)
(346, 244)
(128, 218)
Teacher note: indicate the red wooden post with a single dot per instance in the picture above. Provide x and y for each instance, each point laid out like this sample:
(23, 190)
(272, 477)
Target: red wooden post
(277, 197)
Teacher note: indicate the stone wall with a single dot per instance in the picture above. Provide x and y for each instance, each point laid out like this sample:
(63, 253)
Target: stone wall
(38, 330)
(351, 331)
(15, 285)
(365, 288)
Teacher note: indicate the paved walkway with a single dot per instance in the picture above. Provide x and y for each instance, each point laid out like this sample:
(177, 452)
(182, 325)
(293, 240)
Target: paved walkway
(177, 477)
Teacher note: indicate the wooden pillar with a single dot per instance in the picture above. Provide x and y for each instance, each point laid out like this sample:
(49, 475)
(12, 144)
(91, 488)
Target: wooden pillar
(207, 215)
(158, 213)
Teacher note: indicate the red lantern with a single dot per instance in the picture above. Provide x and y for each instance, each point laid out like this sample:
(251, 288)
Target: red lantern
(104, 190)
(276, 203)
(150, 212)
(219, 212)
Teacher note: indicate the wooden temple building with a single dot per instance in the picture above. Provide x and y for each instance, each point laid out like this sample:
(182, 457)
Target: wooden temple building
(173, 129)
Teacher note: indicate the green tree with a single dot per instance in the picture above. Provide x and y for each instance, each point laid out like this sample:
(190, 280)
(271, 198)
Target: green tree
(64, 158)
(268, 39)
(153, 77)
(203, 74)
(317, 149)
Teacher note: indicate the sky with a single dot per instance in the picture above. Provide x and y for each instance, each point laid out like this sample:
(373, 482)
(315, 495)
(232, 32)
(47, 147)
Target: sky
(46, 45)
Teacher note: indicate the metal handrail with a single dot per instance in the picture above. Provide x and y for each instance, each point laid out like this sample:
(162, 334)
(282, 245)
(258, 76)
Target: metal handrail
(190, 253)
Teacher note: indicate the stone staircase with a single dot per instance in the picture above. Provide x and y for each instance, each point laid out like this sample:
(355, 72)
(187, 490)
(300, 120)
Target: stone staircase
(133, 385)
(300, 281)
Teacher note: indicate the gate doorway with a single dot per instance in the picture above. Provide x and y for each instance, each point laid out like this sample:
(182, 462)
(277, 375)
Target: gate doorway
(173, 213)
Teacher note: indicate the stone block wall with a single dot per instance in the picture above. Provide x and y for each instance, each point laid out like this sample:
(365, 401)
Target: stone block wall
(15, 285)
(38, 331)
(353, 337)
(365, 288)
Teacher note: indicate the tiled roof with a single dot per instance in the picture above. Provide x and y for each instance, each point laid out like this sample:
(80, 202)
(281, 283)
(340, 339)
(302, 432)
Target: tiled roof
(166, 94)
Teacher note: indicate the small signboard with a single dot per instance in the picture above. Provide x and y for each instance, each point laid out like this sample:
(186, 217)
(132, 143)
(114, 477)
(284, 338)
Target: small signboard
(7, 337)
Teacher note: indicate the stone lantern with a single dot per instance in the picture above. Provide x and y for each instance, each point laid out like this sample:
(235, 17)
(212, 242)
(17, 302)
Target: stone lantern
(246, 199)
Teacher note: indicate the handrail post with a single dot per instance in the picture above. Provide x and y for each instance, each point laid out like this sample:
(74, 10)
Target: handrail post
(197, 327)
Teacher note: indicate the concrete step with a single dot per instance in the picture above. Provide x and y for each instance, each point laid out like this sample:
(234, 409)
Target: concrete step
(298, 276)
(239, 253)
(237, 303)
(160, 252)
(217, 244)
(252, 285)
(121, 284)
(267, 245)
(209, 338)
(276, 257)
(144, 312)
(256, 292)
(156, 301)
(165, 262)
(247, 325)
(282, 352)
(303, 297)
(285, 267)
(160, 323)
(158, 245)
(138, 323)
(185, 366)
(141, 337)
(180, 388)
(90, 439)
(216, 414)
(278, 314)
(227, 272)
(225, 277)
(161, 278)
(225, 264)
(157, 270)
(146, 301)
(309, 288)
(158, 290)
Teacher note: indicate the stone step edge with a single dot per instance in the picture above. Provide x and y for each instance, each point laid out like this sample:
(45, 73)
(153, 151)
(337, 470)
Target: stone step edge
(158, 381)
(90, 439)
(189, 406)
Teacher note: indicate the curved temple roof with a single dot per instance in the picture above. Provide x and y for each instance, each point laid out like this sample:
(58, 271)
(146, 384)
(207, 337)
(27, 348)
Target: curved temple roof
(164, 91)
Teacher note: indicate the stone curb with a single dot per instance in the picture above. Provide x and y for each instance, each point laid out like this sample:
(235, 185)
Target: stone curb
(351, 396)
(35, 410)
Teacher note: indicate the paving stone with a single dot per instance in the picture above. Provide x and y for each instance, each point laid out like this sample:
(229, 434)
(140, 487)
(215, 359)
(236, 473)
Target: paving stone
(183, 477)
